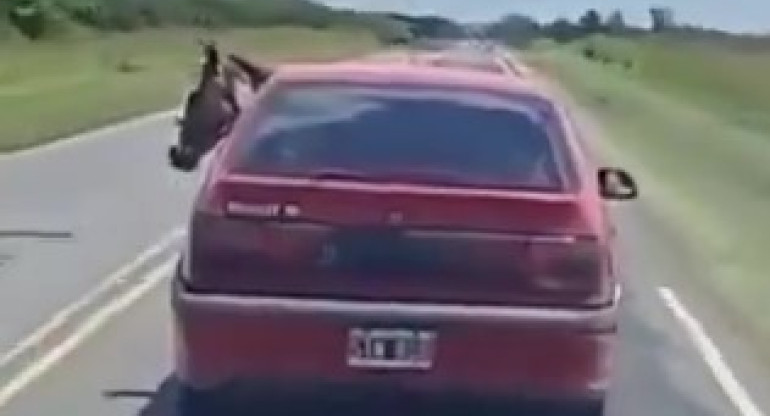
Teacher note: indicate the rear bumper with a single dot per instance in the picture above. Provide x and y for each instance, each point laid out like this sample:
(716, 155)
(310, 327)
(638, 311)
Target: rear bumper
(481, 351)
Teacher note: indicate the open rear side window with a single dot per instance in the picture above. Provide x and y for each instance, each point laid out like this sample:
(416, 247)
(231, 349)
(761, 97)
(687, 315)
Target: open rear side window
(403, 134)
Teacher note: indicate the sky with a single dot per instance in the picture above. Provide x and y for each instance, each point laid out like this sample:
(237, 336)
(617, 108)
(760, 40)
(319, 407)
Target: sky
(734, 15)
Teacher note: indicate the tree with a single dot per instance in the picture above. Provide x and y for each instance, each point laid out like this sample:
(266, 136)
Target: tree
(662, 18)
(150, 16)
(616, 23)
(562, 31)
(591, 22)
(515, 29)
(430, 26)
(28, 16)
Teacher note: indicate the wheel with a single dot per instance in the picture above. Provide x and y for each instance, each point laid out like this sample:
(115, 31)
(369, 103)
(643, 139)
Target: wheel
(191, 402)
(592, 408)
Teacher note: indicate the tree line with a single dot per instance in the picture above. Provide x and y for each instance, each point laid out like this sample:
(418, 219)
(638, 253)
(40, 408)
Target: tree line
(520, 30)
(38, 19)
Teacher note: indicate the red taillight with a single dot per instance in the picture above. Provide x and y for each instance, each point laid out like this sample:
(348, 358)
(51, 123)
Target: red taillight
(208, 213)
(211, 199)
(569, 264)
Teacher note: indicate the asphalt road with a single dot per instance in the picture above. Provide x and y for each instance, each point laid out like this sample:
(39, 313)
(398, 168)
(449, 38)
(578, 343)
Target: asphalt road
(125, 368)
(116, 195)
(111, 192)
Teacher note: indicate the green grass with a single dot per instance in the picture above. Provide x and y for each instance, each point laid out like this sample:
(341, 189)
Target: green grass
(682, 128)
(730, 82)
(51, 89)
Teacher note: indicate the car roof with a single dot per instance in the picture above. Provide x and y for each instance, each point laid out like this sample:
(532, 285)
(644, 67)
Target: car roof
(460, 59)
(395, 69)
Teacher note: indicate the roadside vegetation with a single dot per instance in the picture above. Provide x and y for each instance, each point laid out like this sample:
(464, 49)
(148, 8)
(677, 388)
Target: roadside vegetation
(58, 88)
(688, 113)
(71, 65)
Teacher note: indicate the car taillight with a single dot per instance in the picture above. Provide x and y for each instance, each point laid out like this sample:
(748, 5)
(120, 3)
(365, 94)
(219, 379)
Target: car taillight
(210, 206)
(570, 264)
(211, 199)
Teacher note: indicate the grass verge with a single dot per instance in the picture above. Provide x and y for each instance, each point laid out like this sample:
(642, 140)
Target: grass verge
(707, 172)
(52, 89)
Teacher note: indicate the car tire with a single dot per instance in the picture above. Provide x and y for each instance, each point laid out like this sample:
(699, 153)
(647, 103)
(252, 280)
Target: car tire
(192, 402)
(593, 408)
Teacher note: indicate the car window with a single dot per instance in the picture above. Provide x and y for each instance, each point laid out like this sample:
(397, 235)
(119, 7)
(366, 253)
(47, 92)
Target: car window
(382, 133)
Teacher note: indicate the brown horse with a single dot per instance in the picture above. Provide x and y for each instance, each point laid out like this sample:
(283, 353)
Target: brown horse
(210, 109)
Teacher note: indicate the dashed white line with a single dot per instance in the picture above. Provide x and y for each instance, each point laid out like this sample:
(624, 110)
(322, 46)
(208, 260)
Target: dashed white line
(83, 332)
(113, 280)
(711, 355)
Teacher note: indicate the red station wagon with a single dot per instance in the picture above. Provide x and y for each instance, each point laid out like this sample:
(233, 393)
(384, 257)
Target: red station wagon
(393, 235)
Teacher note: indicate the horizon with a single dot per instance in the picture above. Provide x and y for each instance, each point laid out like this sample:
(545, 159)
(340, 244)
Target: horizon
(737, 16)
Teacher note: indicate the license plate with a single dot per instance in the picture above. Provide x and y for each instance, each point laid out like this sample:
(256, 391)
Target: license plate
(391, 349)
(379, 252)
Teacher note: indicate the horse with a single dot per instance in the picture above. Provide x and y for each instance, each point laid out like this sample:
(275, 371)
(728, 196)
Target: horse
(210, 109)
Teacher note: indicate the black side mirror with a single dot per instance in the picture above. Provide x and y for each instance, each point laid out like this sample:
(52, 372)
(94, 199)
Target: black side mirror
(617, 184)
(182, 159)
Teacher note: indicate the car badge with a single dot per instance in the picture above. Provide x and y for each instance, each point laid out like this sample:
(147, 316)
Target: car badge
(395, 217)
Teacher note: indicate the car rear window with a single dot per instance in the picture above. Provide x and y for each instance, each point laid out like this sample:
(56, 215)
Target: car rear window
(390, 133)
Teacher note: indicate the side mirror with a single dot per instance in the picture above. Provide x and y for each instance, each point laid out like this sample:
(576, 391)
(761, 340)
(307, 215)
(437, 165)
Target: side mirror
(180, 159)
(617, 184)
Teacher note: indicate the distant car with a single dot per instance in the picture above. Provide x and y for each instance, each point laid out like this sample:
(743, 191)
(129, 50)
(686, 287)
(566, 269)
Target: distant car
(379, 231)
(475, 60)
(398, 40)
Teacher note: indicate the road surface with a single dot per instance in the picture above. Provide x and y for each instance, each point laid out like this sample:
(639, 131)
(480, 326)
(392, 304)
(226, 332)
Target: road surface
(116, 196)
(72, 214)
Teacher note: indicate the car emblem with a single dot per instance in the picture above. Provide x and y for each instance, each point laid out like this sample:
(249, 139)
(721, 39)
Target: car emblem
(395, 217)
(269, 210)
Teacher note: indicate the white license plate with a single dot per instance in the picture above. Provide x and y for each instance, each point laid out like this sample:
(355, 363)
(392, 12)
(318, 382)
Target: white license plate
(391, 348)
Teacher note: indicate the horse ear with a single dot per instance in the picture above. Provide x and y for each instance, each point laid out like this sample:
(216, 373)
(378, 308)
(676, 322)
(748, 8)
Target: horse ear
(257, 74)
(207, 44)
(211, 61)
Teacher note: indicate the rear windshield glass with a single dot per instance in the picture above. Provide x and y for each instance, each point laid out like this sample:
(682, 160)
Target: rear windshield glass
(413, 135)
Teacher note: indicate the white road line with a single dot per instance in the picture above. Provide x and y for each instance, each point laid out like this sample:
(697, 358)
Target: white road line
(83, 332)
(90, 135)
(711, 355)
(113, 280)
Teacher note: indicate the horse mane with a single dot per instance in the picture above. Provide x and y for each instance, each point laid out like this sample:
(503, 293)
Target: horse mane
(257, 74)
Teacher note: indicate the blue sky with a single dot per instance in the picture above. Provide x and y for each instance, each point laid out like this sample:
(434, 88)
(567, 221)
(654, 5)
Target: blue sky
(737, 15)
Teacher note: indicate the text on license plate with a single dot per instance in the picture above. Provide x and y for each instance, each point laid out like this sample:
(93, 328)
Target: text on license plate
(391, 348)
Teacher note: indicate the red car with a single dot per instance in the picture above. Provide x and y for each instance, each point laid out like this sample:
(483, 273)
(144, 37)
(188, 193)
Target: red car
(386, 235)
